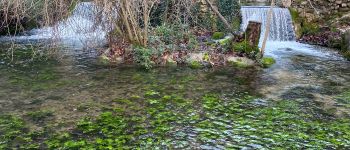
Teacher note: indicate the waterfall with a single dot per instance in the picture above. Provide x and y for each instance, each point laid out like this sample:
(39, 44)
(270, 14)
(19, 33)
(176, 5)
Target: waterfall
(281, 24)
(81, 25)
(80, 28)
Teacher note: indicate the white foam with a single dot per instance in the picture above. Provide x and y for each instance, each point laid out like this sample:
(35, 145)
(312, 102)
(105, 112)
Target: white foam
(78, 29)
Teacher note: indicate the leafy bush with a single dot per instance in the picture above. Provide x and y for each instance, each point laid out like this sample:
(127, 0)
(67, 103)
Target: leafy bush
(143, 56)
(231, 10)
(246, 48)
(309, 28)
(164, 38)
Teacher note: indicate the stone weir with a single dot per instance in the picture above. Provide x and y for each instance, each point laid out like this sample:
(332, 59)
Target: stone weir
(281, 24)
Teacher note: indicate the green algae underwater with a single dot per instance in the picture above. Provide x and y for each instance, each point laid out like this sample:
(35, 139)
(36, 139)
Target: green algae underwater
(75, 104)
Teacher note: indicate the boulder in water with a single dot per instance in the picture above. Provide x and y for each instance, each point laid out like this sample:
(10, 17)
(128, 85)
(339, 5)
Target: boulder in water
(267, 62)
(242, 62)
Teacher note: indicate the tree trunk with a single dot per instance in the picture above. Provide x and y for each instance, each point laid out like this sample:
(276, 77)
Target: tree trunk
(253, 33)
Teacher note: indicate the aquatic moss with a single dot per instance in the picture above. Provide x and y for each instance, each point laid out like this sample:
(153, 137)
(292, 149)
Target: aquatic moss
(344, 99)
(40, 115)
(15, 135)
(165, 120)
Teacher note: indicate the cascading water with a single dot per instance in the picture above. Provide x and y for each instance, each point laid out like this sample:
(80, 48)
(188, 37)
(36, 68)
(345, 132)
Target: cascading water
(281, 23)
(281, 35)
(81, 28)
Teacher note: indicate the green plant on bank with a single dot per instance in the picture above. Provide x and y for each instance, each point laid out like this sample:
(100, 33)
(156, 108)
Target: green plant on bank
(228, 8)
(295, 15)
(164, 38)
(231, 11)
(143, 56)
(244, 47)
(307, 28)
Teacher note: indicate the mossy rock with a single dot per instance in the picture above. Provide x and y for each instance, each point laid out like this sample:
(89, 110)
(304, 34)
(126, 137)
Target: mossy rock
(240, 62)
(103, 60)
(267, 62)
(225, 41)
(195, 65)
(218, 35)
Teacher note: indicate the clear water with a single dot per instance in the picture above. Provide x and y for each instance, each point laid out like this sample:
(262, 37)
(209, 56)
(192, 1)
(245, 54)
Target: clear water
(76, 87)
(182, 108)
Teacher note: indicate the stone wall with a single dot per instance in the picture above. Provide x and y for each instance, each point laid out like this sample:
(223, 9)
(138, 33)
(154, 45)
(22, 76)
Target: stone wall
(313, 9)
(323, 22)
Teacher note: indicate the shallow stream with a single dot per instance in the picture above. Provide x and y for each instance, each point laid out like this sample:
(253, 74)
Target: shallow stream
(303, 101)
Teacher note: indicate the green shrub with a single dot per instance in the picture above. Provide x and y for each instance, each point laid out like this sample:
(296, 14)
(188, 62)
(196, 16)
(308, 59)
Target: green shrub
(231, 10)
(309, 28)
(143, 57)
(245, 47)
(295, 15)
